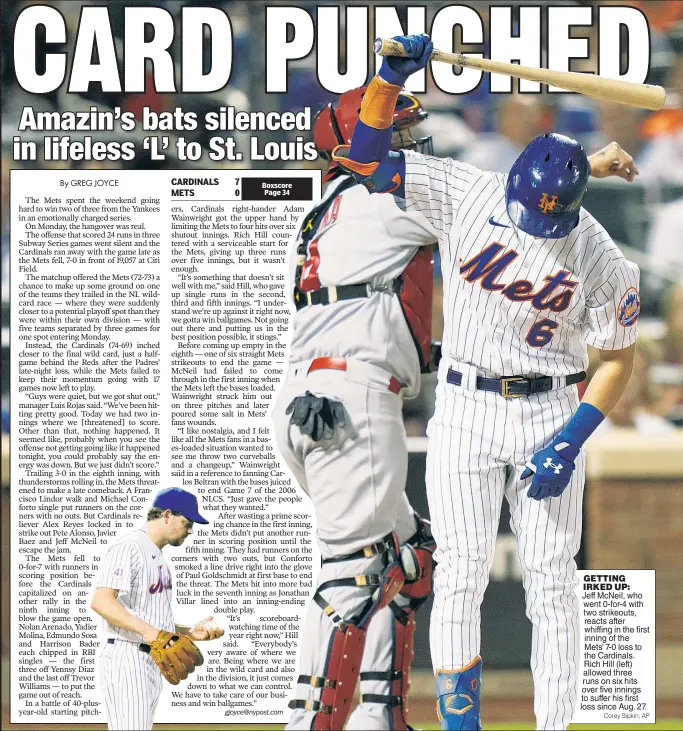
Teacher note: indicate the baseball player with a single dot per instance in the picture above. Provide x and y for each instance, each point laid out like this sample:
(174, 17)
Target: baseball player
(134, 598)
(361, 333)
(530, 279)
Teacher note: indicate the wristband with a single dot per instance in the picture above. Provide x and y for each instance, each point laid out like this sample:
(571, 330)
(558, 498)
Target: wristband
(386, 73)
(585, 421)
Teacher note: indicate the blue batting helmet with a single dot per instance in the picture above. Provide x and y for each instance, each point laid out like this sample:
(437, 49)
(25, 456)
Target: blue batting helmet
(546, 186)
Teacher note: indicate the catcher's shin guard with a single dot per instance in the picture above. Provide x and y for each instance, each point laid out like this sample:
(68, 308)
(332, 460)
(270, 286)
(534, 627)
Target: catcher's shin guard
(388, 688)
(457, 697)
(389, 652)
(331, 681)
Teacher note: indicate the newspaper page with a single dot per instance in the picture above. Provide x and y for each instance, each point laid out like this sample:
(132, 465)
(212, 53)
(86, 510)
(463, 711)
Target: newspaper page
(323, 406)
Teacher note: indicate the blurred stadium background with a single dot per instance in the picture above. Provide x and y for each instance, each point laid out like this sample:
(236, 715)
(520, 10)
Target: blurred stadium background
(634, 495)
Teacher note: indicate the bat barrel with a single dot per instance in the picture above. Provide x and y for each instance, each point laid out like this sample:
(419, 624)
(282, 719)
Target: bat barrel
(645, 96)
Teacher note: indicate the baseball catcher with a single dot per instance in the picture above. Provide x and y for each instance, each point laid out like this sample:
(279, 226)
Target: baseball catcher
(362, 286)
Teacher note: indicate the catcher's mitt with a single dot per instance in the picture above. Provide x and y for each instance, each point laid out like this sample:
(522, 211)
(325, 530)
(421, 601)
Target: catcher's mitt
(175, 655)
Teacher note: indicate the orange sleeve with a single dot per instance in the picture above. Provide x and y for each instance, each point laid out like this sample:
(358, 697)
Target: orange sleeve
(340, 155)
(379, 102)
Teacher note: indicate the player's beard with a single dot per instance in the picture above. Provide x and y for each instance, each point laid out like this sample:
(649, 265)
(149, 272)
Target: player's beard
(177, 541)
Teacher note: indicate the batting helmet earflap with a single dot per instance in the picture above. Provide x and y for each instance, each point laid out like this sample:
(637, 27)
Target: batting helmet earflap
(546, 186)
(335, 122)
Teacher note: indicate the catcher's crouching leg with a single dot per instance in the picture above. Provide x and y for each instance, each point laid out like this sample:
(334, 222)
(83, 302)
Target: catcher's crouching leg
(352, 589)
(384, 677)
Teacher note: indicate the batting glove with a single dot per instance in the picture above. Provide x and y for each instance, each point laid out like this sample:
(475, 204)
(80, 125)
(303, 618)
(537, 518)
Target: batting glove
(317, 417)
(396, 69)
(552, 469)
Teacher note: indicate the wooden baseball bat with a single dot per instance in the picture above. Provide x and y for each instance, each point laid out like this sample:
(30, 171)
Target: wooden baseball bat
(645, 96)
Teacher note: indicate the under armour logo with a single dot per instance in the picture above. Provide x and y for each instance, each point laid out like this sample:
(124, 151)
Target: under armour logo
(547, 204)
(557, 468)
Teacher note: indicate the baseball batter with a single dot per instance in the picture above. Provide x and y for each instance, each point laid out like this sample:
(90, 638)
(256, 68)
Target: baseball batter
(530, 279)
(134, 598)
(362, 331)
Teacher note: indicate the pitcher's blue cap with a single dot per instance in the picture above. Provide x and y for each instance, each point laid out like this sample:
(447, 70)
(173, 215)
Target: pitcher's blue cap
(180, 501)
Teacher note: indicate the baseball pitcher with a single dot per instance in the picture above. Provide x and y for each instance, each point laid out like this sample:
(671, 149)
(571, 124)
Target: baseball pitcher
(134, 598)
(530, 279)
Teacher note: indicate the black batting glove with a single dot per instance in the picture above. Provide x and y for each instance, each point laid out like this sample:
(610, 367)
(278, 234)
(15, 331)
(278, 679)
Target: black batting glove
(318, 417)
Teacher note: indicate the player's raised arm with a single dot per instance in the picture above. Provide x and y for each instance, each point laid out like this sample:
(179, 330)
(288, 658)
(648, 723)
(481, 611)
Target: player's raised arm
(369, 156)
(611, 160)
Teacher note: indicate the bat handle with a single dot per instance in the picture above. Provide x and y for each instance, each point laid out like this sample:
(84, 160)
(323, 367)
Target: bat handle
(388, 47)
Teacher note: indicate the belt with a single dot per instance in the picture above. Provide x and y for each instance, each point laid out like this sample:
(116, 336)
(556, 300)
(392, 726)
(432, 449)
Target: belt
(327, 295)
(516, 386)
(142, 646)
(339, 364)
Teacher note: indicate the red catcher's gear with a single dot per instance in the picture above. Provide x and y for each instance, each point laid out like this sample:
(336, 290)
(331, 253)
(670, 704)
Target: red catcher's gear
(416, 301)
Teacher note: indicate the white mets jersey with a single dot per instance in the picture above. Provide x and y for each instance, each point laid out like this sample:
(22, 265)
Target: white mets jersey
(362, 238)
(515, 304)
(136, 567)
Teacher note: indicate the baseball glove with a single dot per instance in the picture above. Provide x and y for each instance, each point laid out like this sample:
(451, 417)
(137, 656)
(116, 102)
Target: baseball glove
(175, 655)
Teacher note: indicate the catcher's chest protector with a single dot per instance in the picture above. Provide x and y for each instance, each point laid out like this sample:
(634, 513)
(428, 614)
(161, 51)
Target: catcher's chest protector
(416, 300)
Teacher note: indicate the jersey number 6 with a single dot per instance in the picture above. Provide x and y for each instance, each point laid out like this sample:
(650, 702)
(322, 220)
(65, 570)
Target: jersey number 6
(541, 333)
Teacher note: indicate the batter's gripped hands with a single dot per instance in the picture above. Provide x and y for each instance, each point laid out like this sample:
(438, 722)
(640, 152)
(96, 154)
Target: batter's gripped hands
(397, 69)
(613, 160)
(552, 470)
(207, 629)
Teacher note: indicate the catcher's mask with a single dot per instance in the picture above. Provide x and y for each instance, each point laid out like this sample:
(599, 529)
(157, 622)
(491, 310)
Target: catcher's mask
(335, 122)
(546, 186)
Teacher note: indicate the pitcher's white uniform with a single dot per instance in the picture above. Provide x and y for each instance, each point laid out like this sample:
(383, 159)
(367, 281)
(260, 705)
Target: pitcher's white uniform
(514, 305)
(129, 679)
(356, 483)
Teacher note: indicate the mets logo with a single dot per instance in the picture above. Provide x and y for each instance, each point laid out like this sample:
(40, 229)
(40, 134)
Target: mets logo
(163, 582)
(629, 307)
(547, 204)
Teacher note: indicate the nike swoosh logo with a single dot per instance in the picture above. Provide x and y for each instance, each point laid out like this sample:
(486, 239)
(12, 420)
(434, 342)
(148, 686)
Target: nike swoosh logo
(495, 223)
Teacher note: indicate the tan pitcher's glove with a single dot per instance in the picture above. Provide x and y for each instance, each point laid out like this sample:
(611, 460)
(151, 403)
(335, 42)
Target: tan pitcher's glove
(175, 655)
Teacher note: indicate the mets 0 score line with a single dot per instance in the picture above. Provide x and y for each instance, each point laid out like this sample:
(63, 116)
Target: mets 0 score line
(291, 33)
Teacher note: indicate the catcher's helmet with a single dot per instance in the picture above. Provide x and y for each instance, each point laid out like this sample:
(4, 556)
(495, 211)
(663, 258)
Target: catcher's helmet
(546, 186)
(335, 122)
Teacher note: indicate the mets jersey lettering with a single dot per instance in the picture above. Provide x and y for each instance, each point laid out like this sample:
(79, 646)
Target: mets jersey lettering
(489, 264)
(163, 582)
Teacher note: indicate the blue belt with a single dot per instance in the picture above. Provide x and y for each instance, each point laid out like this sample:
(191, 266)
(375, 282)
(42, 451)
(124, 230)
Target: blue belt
(517, 386)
